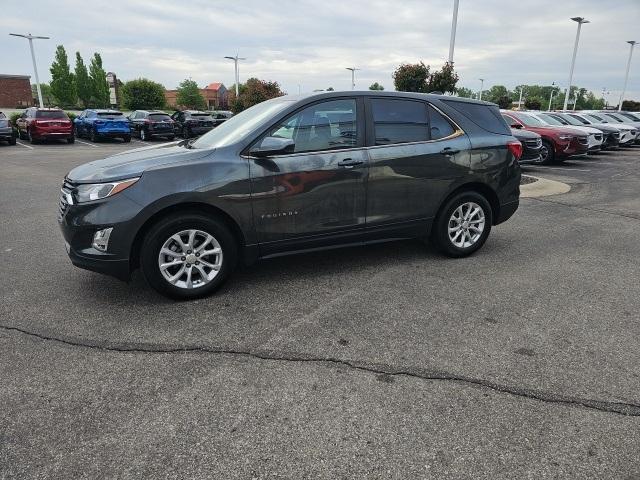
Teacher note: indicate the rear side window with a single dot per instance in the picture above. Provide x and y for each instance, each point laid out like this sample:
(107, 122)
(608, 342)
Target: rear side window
(399, 121)
(50, 114)
(159, 117)
(486, 116)
(440, 127)
(111, 115)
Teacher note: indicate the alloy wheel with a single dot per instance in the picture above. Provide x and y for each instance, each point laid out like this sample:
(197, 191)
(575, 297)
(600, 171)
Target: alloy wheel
(190, 259)
(466, 225)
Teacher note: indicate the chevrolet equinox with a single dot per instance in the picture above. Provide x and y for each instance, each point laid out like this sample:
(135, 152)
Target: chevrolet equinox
(292, 174)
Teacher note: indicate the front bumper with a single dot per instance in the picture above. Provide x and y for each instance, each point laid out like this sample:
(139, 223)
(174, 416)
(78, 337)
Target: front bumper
(117, 268)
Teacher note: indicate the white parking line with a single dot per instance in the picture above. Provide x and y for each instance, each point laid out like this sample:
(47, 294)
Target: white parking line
(85, 143)
(140, 141)
(560, 168)
(23, 145)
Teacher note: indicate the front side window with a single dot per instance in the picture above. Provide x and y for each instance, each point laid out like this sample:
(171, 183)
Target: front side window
(324, 126)
(399, 121)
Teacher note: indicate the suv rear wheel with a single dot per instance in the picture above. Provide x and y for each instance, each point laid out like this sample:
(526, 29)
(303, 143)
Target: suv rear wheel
(462, 225)
(188, 256)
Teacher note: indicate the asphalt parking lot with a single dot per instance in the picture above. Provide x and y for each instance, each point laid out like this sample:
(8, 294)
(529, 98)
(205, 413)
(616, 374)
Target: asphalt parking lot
(387, 361)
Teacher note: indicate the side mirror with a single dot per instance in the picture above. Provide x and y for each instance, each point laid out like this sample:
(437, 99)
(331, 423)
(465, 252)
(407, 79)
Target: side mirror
(273, 146)
(516, 125)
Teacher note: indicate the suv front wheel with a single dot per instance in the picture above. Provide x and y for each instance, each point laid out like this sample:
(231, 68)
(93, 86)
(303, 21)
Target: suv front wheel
(188, 256)
(462, 225)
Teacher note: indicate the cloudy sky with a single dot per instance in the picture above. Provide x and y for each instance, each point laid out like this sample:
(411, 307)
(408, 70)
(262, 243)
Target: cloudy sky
(306, 44)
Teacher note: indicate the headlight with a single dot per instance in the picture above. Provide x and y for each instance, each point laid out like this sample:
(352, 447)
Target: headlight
(564, 136)
(97, 191)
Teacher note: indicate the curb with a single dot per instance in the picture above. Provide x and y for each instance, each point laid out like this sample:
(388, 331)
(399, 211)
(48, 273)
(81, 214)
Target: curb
(543, 188)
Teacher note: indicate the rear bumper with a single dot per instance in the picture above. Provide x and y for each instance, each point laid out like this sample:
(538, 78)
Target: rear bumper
(506, 211)
(113, 133)
(6, 133)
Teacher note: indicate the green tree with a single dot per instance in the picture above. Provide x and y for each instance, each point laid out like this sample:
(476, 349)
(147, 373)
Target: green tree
(464, 92)
(376, 86)
(631, 106)
(533, 103)
(330, 89)
(411, 77)
(47, 97)
(254, 92)
(504, 102)
(83, 83)
(99, 85)
(142, 94)
(495, 93)
(443, 80)
(189, 96)
(62, 82)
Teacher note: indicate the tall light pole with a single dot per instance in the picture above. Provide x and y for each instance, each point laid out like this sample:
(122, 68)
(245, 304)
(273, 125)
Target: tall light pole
(580, 21)
(353, 76)
(604, 93)
(454, 24)
(235, 61)
(481, 88)
(520, 101)
(553, 89)
(30, 37)
(626, 76)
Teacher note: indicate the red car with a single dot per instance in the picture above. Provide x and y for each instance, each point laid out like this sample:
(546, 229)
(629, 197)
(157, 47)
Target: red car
(558, 143)
(44, 123)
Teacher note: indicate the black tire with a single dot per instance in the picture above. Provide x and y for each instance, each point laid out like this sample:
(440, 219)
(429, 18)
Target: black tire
(12, 140)
(548, 153)
(163, 230)
(186, 132)
(126, 139)
(71, 140)
(93, 136)
(32, 140)
(440, 230)
(171, 138)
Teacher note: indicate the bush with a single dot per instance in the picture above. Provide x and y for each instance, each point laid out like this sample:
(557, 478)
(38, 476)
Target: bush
(72, 116)
(14, 117)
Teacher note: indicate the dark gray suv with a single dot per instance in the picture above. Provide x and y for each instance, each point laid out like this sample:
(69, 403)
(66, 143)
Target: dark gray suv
(293, 174)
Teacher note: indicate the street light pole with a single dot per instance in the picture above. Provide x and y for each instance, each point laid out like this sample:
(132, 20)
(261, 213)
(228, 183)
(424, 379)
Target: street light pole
(237, 72)
(481, 88)
(520, 101)
(553, 89)
(353, 76)
(454, 24)
(33, 59)
(626, 76)
(580, 21)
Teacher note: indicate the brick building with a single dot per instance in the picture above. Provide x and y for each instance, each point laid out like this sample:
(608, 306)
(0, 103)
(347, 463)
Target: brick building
(215, 95)
(15, 91)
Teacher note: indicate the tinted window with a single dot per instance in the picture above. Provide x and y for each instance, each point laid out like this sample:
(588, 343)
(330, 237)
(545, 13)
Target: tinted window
(200, 115)
(323, 126)
(528, 120)
(2, 115)
(440, 127)
(159, 117)
(631, 116)
(485, 116)
(549, 119)
(510, 121)
(111, 115)
(580, 119)
(50, 114)
(399, 121)
(615, 119)
(596, 118)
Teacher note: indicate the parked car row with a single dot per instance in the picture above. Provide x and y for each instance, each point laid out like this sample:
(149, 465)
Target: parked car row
(36, 124)
(552, 137)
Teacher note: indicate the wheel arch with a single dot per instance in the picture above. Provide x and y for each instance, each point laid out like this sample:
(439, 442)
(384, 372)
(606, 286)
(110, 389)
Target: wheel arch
(187, 207)
(481, 188)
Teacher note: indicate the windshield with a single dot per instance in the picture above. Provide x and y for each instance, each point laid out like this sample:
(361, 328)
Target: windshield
(614, 118)
(570, 120)
(596, 118)
(206, 115)
(238, 126)
(631, 116)
(583, 120)
(529, 120)
(50, 114)
(549, 119)
(111, 115)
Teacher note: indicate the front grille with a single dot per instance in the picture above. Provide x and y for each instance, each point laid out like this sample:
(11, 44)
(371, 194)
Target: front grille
(583, 140)
(597, 136)
(615, 135)
(534, 143)
(63, 203)
(634, 133)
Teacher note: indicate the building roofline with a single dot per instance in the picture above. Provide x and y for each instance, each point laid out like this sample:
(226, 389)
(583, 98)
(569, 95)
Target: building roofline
(3, 75)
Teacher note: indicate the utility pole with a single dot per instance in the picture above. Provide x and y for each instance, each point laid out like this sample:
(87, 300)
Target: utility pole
(481, 88)
(580, 21)
(454, 24)
(553, 89)
(33, 59)
(237, 72)
(626, 76)
(520, 101)
(353, 76)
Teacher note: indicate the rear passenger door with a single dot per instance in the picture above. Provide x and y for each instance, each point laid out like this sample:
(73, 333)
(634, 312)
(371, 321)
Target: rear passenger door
(416, 154)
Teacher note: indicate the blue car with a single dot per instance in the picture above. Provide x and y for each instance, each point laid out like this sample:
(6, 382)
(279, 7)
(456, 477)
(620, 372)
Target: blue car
(95, 124)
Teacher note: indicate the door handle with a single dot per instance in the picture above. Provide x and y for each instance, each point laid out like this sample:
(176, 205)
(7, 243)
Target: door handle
(448, 151)
(349, 162)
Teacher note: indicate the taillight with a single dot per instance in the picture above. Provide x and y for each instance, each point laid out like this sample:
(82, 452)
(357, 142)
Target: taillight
(515, 148)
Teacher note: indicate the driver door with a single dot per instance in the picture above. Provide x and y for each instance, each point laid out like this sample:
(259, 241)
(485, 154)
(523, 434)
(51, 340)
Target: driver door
(315, 195)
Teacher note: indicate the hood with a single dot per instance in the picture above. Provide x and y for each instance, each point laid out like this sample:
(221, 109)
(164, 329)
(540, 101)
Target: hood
(133, 163)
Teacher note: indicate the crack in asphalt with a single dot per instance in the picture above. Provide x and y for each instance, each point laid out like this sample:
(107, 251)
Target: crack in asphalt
(620, 408)
(585, 208)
